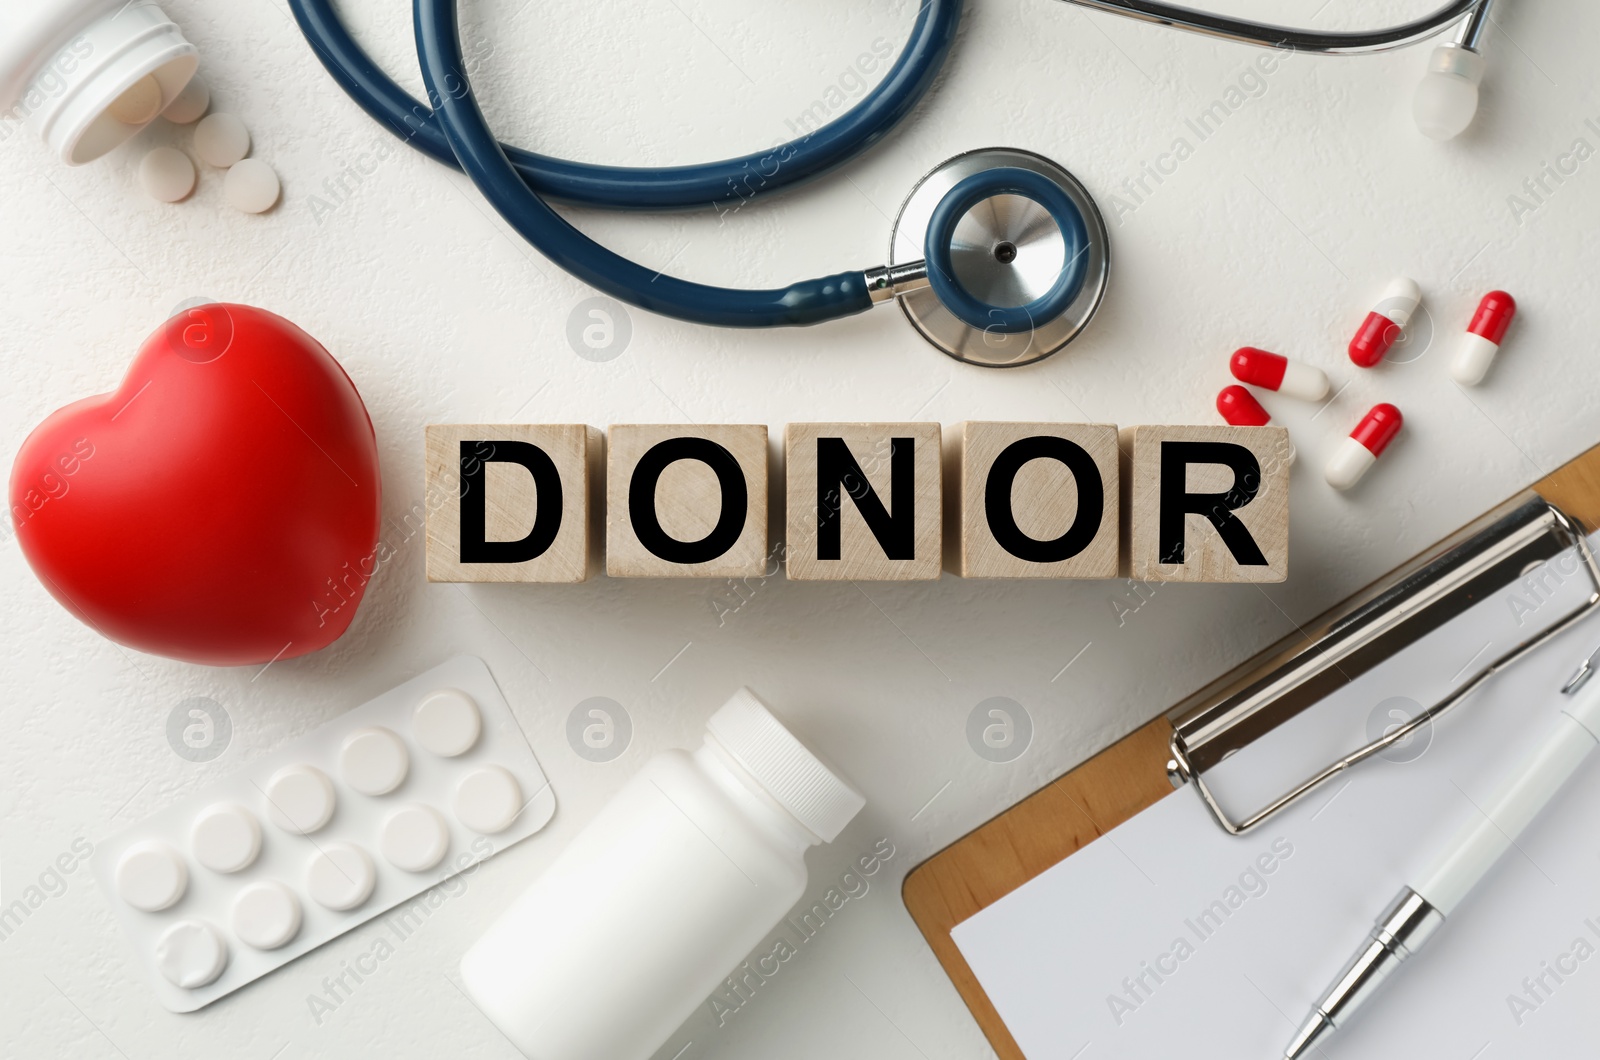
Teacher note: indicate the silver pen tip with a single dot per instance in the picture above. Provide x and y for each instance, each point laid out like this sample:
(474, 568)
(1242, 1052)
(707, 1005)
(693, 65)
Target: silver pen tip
(1313, 1030)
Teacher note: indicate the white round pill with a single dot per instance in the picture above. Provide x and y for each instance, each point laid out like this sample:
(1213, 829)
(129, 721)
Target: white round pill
(251, 186)
(488, 800)
(341, 876)
(139, 103)
(447, 722)
(414, 838)
(151, 876)
(221, 140)
(300, 799)
(266, 915)
(191, 954)
(190, 104)
(166, 174)
(373, 761)
(225, 838)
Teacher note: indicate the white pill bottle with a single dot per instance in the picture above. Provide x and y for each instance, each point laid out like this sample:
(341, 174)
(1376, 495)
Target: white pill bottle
(660, 897)
(66, 64)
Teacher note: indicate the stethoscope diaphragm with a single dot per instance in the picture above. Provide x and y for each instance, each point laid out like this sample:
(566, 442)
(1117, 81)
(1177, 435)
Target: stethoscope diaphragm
(1024, 262)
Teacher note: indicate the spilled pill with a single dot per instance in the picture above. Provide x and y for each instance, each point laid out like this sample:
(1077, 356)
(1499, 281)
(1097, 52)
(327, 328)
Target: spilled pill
(1239, 407)
(1271, 371)
(166, 174)
(221, 140)
(1357, 453)
(251, 186)
(1385, 323)
(1482, 339)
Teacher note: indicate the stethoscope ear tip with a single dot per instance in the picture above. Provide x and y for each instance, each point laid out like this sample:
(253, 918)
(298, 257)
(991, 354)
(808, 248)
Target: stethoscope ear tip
(1446, 99)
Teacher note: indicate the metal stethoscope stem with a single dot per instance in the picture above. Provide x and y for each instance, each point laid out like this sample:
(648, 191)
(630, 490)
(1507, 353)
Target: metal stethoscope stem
(1473, 25)
(1320, 42)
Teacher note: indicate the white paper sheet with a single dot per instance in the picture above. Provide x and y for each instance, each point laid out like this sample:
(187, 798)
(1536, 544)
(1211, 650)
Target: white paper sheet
(1168, 937)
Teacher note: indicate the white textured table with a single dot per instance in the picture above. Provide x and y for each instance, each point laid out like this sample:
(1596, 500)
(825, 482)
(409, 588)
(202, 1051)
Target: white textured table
(1277, 229)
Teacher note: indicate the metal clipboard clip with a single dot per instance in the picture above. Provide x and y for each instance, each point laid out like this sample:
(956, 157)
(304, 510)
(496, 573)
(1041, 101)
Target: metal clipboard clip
(1376, 624)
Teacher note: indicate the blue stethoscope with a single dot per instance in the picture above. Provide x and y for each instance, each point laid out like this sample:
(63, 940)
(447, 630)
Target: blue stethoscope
(999, 257)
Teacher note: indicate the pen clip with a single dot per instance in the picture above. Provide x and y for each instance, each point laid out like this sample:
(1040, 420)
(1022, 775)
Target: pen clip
(1585, 671)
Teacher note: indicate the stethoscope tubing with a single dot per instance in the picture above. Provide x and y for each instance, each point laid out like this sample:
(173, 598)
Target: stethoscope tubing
(515, 182)
(651, 188)
(484, 159)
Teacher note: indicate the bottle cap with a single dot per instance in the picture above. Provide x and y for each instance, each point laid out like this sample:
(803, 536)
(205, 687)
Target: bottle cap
(800, 781)
(73, 101)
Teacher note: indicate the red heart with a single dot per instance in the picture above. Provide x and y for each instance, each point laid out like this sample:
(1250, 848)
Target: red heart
(221, 507)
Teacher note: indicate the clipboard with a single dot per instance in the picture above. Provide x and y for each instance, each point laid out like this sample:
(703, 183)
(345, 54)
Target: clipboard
(1172, 751)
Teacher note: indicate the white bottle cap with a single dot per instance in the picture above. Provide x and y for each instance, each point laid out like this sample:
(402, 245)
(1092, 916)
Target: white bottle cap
(800, 781)
(71, 100)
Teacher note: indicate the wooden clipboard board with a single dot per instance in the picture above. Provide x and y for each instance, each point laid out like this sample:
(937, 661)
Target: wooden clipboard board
(1125, 779)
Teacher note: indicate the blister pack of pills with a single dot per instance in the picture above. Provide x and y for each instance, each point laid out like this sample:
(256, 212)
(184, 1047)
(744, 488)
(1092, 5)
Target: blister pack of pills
(318, 837)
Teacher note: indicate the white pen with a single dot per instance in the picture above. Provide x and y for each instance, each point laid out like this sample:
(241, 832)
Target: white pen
(1418, 911)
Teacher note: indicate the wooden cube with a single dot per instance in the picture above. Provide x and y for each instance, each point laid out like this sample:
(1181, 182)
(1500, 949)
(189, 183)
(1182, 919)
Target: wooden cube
(512, 503)
(686, 501)
(1035, 500)
(864, 501)
(1208, 504)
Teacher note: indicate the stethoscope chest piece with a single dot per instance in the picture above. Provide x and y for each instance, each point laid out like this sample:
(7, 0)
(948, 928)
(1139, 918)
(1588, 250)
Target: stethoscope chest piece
(1017, 256)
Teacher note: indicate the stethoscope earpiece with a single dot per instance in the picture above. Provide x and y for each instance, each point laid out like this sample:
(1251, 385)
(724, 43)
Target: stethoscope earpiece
(1447, 96)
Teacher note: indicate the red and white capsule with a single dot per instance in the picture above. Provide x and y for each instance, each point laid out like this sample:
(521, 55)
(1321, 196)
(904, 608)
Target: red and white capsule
(1239, 408)
(1384, 324)
(1271, 371)
(1482, 340)
(1357, 453)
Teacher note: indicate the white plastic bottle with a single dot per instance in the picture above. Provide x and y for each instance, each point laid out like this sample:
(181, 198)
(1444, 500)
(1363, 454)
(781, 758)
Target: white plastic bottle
(88, 74)
(672, 884)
